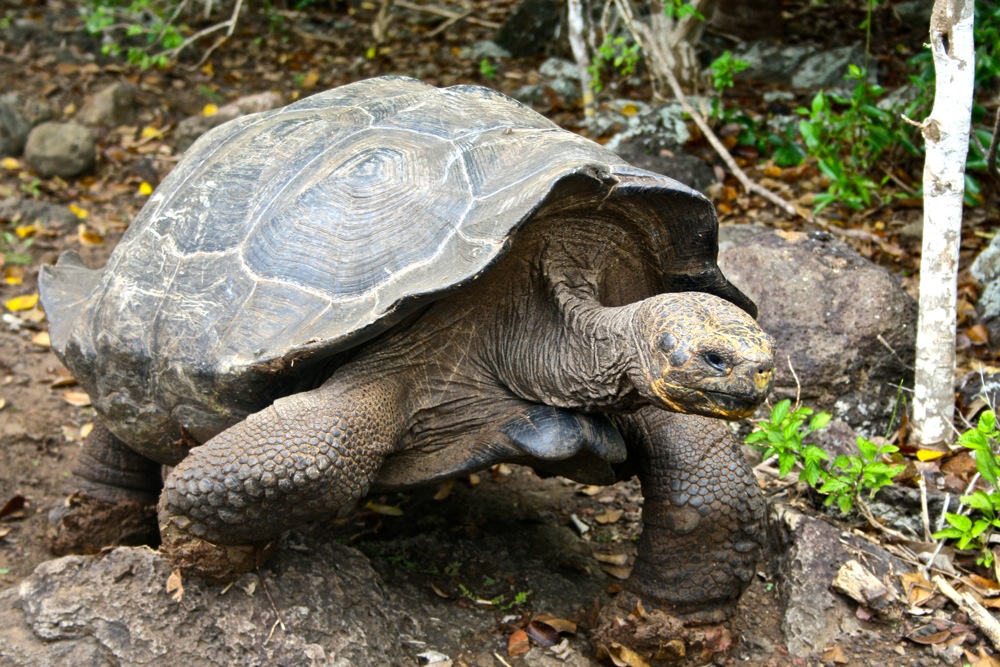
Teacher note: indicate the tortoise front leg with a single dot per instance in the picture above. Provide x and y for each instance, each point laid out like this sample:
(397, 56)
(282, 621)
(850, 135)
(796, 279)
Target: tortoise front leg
(703, 514)
(305, 457)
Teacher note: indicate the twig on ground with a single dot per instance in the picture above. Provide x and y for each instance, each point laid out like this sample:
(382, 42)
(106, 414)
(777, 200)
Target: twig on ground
(447, 13)
(278, 622)
(925, 514)
(976, 612)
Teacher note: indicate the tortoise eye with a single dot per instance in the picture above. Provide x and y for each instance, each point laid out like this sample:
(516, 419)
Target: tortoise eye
(716, 361)
(667, 342)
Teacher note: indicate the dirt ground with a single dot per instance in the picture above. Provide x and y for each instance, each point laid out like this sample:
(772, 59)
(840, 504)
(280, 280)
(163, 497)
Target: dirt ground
(445, 548)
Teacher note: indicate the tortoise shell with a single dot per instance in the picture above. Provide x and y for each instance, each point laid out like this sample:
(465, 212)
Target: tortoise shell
(283, 239)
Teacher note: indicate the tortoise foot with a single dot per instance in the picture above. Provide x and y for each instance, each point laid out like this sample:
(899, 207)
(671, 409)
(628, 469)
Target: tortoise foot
(85, 523)
(212, 562)
(627, 625)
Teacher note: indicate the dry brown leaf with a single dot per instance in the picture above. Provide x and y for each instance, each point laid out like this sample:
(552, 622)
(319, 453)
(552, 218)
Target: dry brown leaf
(982, 585)
(5, 531)
(621, 656)
(13, 508)
(560, 625)
(86, 429)
(543, 633)
(616, 571)
(41, 339)
(440, 593)
(3, 403)
(474, 479)
(385, 510)
(63, 381)
(79, 399)
(612, 559)
(518, 643)
(444, 490)
(918, 590)
(591, 490)
(835, 654)
(610, 516)
(175, 586)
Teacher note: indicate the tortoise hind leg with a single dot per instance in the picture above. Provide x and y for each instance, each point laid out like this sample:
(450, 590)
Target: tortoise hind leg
(305, 457)
(703, 514)
(114, 501)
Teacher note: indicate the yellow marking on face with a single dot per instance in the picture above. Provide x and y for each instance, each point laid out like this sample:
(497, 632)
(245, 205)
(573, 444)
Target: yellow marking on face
(661, 388)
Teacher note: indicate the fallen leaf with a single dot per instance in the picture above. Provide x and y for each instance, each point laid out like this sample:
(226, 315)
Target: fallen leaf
(79, 399)
(10, 163)
(145, 189)
(543, 633)
(210, 110)
(621, 656)
(41, 339)
(385, 510)
(618, 572)
(772, 171)
(474, 479)
(310, 80)
(13, 508)
(440, 593)
(518, 643)
(3, 403)
(80, 213)
(929, 454)
(928, 634)
(444, 490)
(86, 429)
(629, 109)
(62, 381)
(24, 231)
(175, 585)
(612, 559)
(591, 490)
(611, 516)
(560, 625)
(19, 303)
(88, 237)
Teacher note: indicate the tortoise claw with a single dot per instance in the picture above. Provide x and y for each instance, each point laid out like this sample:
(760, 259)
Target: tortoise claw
(212, 562)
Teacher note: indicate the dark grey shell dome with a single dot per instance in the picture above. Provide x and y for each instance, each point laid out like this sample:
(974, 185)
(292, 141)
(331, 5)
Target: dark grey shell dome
(285, 237)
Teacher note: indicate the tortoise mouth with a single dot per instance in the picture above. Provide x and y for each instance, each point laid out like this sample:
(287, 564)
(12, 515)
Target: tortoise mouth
(708, 402)
(733, 406)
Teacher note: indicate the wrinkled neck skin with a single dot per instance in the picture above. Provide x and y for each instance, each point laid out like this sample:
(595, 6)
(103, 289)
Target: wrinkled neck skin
(566, 349)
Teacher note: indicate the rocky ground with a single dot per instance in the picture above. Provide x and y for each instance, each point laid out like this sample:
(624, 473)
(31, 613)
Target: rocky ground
(505, 568)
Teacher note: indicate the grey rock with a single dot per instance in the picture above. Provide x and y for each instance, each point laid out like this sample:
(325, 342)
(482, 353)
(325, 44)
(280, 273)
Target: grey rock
(14, 127)
(531, 28)
(800, 66)
(986, 271)
(844, 324)
(31, 211)
(653, 139)
(485, 49)
(60, 149)
(827, 69)
(113, 609)
(110, 107)
(193, 127)
(562, 79)
(808, 552)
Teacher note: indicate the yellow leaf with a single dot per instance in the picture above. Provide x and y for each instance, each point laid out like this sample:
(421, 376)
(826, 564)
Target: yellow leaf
(86, 429)
(210, 110)
(310, 80)
(24, 231)
(929, 454)
(18, 303)
(630, 109)
(145, 189)
(386, 510)
(208, 70)
(10, 163)
(150, 132)
(3, 403)
(175, 586)
(79, 212)
(13, 280)
(371, 52)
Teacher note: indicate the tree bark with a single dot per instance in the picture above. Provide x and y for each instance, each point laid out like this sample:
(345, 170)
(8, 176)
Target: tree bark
(946, 133)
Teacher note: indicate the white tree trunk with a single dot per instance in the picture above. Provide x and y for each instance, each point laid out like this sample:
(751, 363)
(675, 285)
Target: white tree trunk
(946, 133)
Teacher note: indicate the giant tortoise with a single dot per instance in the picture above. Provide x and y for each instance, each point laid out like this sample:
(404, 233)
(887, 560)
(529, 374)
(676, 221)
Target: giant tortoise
(390, 284)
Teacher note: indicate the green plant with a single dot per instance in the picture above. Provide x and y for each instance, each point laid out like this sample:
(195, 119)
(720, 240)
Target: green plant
(970, 532)
(679, 9)
(724, 69)
(148, 25)
(850, 476)
(617, 51)
(848, 136)
(14, 249)
(487, 69)
(843, 482)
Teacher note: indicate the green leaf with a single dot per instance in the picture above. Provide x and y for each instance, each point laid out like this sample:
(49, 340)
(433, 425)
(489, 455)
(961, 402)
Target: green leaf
(786, 462)
(780, 411)
(868, 449)
(948, 534)
(962, 523)
(845, 503)
(820, 421)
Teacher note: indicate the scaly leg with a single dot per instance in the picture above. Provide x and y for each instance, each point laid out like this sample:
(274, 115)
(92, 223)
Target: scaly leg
(114, 501)
(305, 457)
(703, 514)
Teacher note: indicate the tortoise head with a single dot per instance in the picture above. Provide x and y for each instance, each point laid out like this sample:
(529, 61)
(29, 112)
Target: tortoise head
(703, 355)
